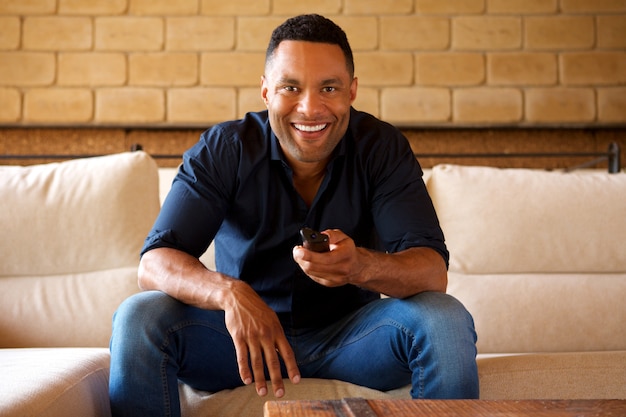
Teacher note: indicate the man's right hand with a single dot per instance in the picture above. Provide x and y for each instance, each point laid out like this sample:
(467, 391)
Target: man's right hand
(254, 327)
(259, 340)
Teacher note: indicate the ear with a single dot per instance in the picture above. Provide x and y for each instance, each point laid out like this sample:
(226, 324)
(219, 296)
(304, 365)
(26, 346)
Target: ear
(264, 90)
(353, 88)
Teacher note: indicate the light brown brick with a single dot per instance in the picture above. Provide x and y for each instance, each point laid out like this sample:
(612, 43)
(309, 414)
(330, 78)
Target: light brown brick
(559, 32)
(599, 68)
(27, 7)
(57, 33)
(234, 8)
(91, 69)
(414, 104)
(11, 108)
(612, 104)
(130, 105)
(449, 69)
(368, 100)
(414, 33)
(560, 105)
(384, 68)
(522, 68)
(58, 105)
(92, 7)
(362, 31)
(378, 7)
(163, 7)
(201, 105)
(249, 99)
(163, 69)
(521, 6)
(582, 6)
(232, 70)
(486, 33)
(10, 29)
(487, 105)
(612, 31)
(26, 68)
(253, 33)
(129, 33)
(290, 7)
(449, 6)
(200, 33)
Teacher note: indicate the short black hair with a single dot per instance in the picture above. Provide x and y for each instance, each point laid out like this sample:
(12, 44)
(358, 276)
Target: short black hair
(311, 28)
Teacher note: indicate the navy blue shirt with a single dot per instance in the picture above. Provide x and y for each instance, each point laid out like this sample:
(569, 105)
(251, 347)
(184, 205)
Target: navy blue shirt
(236, 187)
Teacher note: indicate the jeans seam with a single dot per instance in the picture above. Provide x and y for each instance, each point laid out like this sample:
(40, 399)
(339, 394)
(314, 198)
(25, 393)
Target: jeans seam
(167, 402)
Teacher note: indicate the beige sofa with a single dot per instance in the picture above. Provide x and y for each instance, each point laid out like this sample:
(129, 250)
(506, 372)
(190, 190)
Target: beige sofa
(539, 258)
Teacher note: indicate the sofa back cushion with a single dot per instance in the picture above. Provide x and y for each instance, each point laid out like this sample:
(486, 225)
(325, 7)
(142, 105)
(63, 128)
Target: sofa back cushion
(527, 221)
(72, 232)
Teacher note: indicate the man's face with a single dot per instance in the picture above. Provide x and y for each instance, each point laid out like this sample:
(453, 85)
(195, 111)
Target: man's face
(308, 92)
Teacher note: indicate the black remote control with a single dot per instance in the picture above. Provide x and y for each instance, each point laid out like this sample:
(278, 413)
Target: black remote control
(314, 240)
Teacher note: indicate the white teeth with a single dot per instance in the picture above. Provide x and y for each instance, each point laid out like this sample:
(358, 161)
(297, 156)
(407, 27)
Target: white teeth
(306, 128)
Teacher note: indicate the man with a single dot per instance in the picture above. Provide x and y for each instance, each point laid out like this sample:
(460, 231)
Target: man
(273, 309)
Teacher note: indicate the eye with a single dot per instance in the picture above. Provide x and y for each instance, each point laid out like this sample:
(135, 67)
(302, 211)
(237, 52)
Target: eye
(290, 88)
(329, 89)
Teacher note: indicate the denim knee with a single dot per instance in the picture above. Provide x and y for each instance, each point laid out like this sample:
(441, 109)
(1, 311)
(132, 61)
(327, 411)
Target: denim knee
(448, 351)
(142, 311)
(434, 312)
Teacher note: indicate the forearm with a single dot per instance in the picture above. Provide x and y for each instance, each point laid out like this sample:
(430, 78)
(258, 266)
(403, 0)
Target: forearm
(401, 274)
(185, 278)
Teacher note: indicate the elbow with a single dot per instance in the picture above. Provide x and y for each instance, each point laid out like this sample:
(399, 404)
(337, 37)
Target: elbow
(442, 282)
(143, 274)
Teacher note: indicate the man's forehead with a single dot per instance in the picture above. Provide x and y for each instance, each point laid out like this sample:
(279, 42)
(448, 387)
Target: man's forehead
(289, 52)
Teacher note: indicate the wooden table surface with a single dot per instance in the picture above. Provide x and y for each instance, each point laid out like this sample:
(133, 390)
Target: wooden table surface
(358, 407)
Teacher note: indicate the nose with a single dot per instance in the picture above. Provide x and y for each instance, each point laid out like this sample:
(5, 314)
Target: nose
(311, 104)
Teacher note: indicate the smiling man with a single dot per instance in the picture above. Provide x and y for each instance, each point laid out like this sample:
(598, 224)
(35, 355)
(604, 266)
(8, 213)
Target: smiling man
(273, 309)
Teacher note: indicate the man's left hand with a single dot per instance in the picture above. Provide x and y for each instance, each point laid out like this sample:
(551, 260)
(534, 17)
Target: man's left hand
(340, 266)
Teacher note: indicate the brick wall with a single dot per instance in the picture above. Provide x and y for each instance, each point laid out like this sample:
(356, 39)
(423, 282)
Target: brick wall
(419, 62)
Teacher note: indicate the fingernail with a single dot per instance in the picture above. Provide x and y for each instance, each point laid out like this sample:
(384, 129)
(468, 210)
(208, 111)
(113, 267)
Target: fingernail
(247, 381)
(263, 392)
(279, 393)
(295, 379)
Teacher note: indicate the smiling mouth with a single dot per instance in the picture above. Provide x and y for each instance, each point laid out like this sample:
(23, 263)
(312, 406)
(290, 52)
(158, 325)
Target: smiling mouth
(310, 128)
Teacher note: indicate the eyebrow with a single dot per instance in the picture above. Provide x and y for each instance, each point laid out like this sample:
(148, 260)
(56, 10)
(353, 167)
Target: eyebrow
(328, 81)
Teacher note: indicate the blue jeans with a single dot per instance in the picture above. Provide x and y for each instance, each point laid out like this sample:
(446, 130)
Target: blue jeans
(427, 341)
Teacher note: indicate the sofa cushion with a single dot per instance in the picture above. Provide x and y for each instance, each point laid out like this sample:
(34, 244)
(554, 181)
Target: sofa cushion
(515, 313)
(244, 401)
(525, 221)
(54, 382)
(567, 376)
(62, 310)
(72, 232)
(82, 215)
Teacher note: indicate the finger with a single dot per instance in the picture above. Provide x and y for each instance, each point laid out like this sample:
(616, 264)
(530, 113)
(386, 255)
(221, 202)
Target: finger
(335, 235)
(256, 361)
(242, 363)
(289, 359)
(273, 366)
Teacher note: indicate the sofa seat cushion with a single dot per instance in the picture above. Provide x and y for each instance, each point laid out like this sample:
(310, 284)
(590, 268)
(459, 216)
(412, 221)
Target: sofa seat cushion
(55, 382)
(567, 376)
(526, 221)
(521, 313)
(244, 401)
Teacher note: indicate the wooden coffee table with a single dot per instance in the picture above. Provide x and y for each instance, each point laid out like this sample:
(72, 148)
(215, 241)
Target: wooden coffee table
(358, 407)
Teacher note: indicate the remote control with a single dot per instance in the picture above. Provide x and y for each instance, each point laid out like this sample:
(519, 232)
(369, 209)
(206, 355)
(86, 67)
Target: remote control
(314, 240)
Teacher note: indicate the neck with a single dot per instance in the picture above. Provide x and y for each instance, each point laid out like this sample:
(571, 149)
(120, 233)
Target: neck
(307, 179)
